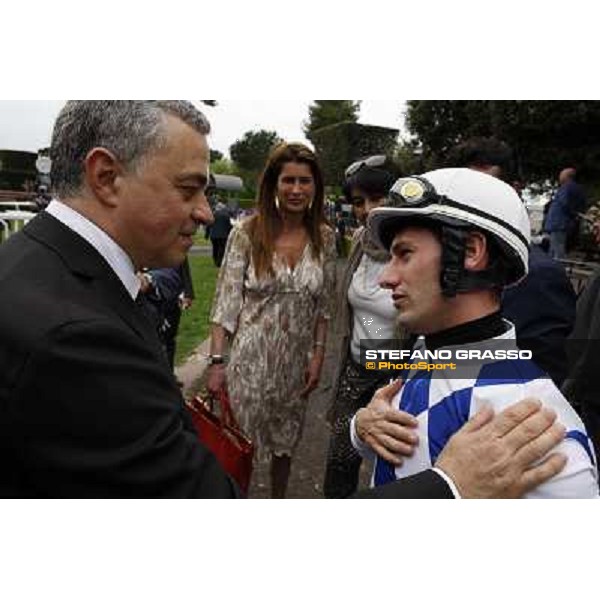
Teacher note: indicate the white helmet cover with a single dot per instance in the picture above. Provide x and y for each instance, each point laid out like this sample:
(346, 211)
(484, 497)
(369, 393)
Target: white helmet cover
(463, 196)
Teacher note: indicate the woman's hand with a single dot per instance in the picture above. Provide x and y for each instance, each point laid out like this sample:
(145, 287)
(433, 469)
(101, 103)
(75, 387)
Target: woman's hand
(313, 372)
(216, 380)
(389, 431)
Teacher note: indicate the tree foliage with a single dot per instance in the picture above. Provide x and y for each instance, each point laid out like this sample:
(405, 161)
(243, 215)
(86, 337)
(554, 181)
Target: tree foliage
(545, 136)
(224, 166)
(407, 156)
(323, 113)
(215, 155)
(251, 151)
(250, 154)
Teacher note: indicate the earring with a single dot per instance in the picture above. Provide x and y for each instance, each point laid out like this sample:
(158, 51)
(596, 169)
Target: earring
(310, 205)
(277, 203)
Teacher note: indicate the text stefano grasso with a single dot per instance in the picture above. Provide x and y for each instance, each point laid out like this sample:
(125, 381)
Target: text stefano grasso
(449, 354)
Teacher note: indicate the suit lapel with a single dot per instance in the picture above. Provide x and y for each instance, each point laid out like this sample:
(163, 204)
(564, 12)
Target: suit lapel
(84, 261)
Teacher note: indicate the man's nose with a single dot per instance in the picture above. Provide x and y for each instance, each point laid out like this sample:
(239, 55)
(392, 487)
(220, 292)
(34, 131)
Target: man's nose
(202, 212)
(387, 278)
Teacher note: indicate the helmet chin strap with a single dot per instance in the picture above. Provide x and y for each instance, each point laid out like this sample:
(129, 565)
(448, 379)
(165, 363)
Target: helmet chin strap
(453, 259)
(454, 277)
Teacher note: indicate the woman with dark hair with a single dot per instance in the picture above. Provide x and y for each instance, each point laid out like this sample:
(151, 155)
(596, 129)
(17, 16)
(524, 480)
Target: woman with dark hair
(366, 312)
(273, 300)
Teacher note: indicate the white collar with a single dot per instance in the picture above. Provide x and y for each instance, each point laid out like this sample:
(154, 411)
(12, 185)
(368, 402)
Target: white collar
(114, 255)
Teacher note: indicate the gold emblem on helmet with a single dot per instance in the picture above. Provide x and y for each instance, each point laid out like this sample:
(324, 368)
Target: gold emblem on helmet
(412, 190)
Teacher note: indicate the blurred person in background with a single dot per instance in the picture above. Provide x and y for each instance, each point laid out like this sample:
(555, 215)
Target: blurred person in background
(562, 219)
(219, 231)
(168, 292)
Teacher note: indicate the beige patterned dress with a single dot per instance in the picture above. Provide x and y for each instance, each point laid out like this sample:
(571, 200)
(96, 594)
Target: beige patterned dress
(272, 320)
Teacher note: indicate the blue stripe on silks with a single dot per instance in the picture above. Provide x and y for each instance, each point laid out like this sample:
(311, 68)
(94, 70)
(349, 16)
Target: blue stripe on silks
(385, 472)
(415, 394)
(414, 400)
(510, 371)
(584, 440)
(446, 418)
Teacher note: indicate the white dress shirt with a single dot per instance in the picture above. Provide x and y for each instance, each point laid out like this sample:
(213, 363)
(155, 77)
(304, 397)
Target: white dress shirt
(112, 253)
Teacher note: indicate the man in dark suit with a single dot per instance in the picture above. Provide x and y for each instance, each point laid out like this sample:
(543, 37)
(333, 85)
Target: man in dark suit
(219, 232)
(88, 404)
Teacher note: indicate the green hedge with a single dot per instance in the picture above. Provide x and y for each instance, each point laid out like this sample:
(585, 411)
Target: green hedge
(339, 145)
(16, 167)
(247, 203)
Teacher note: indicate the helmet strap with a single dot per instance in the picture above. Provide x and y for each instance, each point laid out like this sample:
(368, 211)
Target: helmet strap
(454, 277)
(453, 259)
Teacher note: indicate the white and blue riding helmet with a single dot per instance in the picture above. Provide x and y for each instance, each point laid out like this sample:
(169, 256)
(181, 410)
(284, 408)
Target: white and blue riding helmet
(457, 201)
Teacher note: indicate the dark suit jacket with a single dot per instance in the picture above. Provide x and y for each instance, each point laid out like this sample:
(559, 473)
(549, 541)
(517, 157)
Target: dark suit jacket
(582, 386)
(425, 485)
(542, 309)
(186, 280)
(88, 405)
(222, 224)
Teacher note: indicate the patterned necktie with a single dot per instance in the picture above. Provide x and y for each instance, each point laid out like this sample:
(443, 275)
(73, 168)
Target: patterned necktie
(149, 318)
(144, 309)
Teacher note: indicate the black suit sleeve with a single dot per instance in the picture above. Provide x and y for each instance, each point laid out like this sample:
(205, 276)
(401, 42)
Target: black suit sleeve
(542, 309)
(582, 387)
(95, 414)
(427, 484)
(186, 280)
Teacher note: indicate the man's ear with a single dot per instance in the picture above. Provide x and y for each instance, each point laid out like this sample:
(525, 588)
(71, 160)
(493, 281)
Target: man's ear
(476, 252)
(102, 174)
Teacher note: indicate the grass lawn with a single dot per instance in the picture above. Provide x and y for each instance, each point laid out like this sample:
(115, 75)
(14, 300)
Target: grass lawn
(200, 240)
(194, 326)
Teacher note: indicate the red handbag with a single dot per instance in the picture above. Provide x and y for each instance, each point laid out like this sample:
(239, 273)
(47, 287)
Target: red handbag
(221, 434)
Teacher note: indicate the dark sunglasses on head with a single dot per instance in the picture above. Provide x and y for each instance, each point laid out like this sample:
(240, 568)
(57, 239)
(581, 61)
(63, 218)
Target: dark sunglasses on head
(377, 160)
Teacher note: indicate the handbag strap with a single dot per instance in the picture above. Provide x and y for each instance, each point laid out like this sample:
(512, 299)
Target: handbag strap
(222, 397)
(198, 402)
(226, 410)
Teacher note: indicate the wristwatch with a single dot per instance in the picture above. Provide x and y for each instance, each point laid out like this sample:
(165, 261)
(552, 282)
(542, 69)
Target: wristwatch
(216, 359)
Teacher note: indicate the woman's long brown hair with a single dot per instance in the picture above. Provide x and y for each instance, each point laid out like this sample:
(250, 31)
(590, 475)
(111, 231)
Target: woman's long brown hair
(263, 227)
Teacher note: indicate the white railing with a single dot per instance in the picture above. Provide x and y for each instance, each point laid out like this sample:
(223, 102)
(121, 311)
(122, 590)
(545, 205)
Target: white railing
(13, 221)
(16, 205)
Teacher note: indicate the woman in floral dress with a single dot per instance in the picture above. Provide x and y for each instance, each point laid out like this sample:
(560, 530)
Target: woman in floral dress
(273, 301)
